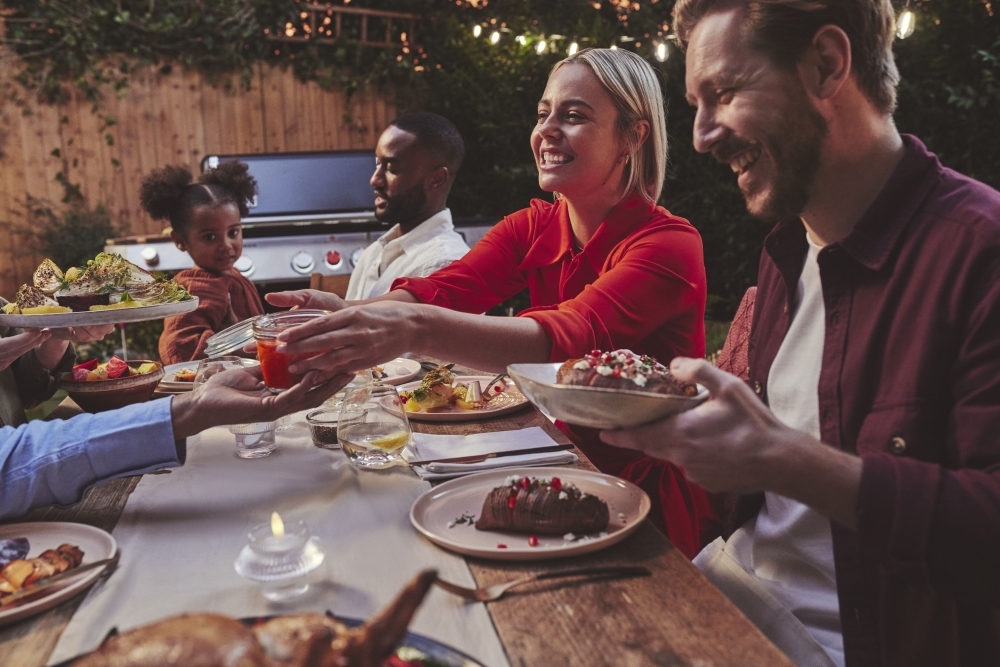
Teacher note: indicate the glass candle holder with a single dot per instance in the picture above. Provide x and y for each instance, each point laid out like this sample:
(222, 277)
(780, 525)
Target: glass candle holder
(254, 441)
(273, 364)
(323, 427)
(280, 564)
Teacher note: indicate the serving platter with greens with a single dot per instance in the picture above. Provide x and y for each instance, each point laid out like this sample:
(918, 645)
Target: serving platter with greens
(109, 290)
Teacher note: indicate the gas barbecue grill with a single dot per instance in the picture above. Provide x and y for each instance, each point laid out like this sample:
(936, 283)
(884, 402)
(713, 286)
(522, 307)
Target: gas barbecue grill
(314, 213)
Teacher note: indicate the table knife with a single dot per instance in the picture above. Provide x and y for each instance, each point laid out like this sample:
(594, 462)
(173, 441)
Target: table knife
(52, 581)
(478, 458)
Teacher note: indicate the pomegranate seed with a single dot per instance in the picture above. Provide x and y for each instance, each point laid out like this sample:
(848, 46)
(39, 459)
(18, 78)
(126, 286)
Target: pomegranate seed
(501, 546)
(525, 482)
(617, 372)
(511, 501)
(556, 483)
(532, 541)
(498, 389)
(595, 353)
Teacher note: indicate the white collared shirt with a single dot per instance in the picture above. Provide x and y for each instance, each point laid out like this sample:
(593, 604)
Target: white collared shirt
(432, 245)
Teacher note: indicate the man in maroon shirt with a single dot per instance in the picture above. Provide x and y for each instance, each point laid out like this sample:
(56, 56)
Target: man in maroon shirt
(867, 442)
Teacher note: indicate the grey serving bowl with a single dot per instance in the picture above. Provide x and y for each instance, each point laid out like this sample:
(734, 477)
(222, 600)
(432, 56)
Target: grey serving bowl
(596, 407)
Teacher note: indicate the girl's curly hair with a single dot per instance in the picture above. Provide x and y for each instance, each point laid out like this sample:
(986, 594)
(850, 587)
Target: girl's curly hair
(171, 193)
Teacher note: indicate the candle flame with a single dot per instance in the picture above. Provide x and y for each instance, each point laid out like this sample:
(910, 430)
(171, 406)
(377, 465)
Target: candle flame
(277, 525)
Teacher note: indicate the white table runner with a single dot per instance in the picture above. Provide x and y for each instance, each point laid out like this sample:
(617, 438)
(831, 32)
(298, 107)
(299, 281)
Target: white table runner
(180, 533)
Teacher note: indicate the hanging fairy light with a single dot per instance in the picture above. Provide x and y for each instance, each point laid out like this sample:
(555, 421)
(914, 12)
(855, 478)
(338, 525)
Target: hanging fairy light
(906, 23)
(661, 51)
(541, 46)
(477, 30)
(614, 47)
(494, 37)
(573, 48)
(521, 39)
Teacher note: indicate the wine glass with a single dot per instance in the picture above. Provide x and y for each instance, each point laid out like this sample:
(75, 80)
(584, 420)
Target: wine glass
(373, 428)
(209, 367)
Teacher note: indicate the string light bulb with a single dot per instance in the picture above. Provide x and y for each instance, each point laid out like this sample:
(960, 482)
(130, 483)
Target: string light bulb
(614, 47)
(477, 30)
(573, 48)
(906, 23)
(521, 39)
(541, 46)
(494, 37)
(661, 51)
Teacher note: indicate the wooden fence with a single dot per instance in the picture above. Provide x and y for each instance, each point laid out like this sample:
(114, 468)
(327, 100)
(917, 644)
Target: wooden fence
(164, 117)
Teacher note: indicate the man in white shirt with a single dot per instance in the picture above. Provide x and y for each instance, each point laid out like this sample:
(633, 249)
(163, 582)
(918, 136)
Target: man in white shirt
(418, 156)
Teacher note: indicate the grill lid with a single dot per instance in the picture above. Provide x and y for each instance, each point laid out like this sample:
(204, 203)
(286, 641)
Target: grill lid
(230, 340)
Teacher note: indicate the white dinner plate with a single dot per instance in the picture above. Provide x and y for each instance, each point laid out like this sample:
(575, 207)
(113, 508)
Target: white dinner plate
(93, 542)
(439, 508)
(169, 384)
(510, 400)
(95, 317)
(400, 371)
(596, 407)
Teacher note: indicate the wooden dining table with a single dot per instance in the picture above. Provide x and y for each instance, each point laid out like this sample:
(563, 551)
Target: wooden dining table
(673, 617)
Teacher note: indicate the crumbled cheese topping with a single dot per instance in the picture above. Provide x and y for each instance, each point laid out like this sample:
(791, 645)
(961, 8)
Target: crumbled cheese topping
(622, 363)
(604, 370)
(581, 365)
(563, 495)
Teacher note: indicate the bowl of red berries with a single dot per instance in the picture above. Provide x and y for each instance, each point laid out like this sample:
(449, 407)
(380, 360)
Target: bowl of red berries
(97, 387)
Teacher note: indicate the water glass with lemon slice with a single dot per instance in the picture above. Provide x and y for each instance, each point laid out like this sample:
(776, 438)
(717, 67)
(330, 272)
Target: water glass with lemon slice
(373, 428)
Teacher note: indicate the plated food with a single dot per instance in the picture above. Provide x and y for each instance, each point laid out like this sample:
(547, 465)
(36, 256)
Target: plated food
(112, 385)
(444, 396)
(606, 390)
(21, 572)
(109, 282)
(297, 640)
(467, 515)
(27, 542)
(542, 506)
(92, 371)
(625, 370)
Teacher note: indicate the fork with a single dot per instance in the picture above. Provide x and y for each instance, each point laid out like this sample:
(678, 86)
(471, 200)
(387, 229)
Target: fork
(491, 593)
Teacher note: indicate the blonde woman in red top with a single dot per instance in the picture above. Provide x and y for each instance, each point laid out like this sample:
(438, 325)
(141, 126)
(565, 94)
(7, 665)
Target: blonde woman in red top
(604, 266)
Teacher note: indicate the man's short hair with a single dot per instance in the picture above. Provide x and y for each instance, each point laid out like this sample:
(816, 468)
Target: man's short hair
(435, 134)
(783, 30)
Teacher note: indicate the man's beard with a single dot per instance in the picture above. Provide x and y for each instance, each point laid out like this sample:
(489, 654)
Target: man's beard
(795, 149)
(402, 207)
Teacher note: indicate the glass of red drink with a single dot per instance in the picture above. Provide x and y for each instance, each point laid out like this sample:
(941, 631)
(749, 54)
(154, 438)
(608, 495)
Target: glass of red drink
(273, 364)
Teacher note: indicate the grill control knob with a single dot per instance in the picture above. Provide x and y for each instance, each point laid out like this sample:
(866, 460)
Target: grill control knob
(333, 259)
(302, 262)
(244, 265)
(150, 256)
(356, 257)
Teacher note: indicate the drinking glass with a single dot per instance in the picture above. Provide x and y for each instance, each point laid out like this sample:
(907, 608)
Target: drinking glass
(254, 440)
(373, 428)
(273, 364)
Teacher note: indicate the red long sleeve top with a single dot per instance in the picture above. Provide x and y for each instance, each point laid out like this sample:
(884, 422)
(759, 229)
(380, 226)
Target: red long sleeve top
(639, 283)
(224, 300)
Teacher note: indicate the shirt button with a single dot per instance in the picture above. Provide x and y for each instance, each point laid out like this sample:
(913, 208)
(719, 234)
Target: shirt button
(897, 445)
(757, 388)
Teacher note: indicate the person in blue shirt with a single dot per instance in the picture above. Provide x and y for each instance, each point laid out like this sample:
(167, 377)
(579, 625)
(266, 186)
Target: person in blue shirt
(55, 462)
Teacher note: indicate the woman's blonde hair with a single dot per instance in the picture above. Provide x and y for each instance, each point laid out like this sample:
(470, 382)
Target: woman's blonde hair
(632, 84)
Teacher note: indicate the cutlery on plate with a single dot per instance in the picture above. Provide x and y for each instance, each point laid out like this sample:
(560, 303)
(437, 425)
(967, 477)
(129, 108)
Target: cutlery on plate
(479, 458)
(57, 579)
(430, 365)
(490, 593)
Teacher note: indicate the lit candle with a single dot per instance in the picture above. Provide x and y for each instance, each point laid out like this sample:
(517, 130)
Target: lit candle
(277, 525)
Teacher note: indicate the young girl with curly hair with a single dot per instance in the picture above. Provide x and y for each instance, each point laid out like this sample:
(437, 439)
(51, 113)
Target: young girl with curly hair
(204, 218)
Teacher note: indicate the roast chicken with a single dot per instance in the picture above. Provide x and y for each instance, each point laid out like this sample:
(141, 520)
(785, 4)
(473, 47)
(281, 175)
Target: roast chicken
(300, 640)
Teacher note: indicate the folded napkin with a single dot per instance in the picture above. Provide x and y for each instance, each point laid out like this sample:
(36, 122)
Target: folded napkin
(425, 446)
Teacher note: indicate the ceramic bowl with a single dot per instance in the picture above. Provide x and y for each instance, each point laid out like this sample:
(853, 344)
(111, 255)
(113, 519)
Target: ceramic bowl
(101, 395)
(596, 407)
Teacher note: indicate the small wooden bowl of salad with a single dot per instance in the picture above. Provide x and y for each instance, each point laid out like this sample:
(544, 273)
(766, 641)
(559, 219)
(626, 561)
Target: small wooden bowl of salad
(97, 387)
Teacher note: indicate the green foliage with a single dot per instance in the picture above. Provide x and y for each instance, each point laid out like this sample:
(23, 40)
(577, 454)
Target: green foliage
(948, 95)
(68, 235)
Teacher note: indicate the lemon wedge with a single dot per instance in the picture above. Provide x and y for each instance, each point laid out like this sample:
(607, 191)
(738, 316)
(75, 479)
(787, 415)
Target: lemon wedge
(45, 310)
(390, 442)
